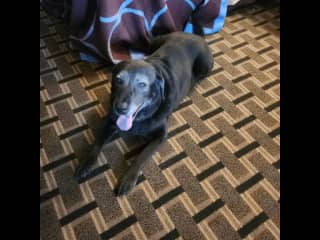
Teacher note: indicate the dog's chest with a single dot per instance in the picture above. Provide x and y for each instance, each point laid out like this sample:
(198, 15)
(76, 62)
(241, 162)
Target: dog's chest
(143, 128)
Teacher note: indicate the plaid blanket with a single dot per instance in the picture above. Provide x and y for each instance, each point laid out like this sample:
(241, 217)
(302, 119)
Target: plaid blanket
(113, 31)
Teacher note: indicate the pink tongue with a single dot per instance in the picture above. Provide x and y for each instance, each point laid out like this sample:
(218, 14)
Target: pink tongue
(124, 122)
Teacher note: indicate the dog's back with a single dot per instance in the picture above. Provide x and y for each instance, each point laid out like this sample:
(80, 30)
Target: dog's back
(186, 58)
(182, 48)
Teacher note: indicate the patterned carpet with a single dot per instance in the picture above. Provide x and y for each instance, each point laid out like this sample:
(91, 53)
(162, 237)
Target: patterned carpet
(217, 176)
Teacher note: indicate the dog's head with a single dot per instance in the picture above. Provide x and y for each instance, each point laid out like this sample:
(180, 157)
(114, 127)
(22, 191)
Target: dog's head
(135, 87)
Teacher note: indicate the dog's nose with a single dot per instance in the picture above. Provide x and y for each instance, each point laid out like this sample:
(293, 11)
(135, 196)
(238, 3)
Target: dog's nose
(122, 107)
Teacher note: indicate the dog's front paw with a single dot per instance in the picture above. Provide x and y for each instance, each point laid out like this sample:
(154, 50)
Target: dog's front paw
(127, 183)
(85, 168)
(82, 172)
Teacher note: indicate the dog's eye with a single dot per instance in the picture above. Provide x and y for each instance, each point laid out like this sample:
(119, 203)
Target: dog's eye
(142, 84)
(119, 81)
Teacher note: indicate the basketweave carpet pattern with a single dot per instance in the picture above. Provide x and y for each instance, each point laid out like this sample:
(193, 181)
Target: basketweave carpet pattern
(217, 176)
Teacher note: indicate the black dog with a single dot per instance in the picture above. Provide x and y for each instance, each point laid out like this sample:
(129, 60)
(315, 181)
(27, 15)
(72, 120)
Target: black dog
(145, 93)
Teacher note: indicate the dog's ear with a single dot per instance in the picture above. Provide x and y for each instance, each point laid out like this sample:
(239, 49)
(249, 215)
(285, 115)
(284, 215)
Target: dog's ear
(160, 82)
(159, 68)
(118, 67)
